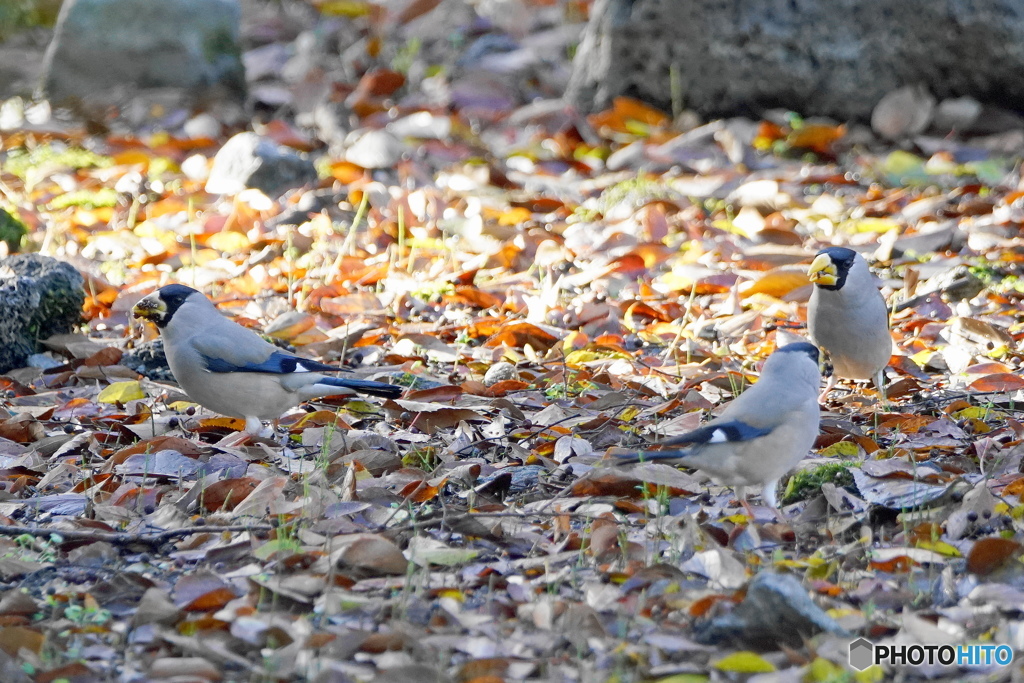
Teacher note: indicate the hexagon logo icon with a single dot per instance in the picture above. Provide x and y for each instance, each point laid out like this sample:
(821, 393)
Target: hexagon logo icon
(862, 654)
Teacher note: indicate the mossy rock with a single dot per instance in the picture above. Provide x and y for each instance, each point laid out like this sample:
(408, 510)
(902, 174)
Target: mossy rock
(42, 297)
(807, 483)
(11, 230)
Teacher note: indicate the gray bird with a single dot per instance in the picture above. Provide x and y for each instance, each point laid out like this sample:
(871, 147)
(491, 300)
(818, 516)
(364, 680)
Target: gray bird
(233, 371)
(847, 317)
(761, 435)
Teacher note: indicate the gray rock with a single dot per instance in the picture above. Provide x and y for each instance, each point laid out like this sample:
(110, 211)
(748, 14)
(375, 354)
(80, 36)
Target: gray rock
(499, 372)
(375, 149)
(149, 360)
(835, 58)
(41, 297)
(100, 48)
(250, 161)
(776, 610)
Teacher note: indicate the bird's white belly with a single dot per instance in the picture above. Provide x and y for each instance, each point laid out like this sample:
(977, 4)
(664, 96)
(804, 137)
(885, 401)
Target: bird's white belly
(241, 394)
(853, 355)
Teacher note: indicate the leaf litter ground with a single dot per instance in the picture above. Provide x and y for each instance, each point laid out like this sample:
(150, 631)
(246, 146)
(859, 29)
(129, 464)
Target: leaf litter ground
(547, 286)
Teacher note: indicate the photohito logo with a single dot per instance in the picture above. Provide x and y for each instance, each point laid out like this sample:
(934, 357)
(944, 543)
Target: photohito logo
(864, 654)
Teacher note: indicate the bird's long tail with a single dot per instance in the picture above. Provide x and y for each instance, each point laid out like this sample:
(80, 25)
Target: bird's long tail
(648, 456)
(364, 386)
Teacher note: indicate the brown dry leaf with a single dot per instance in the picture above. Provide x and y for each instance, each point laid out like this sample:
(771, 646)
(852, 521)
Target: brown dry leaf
(14, 638)
(228, 493)
(369, 553)
(202, 591)
(430, 417)
(263, 499)
(519, 334)
(109, 356)
(158, 443)
(352, 305)
(1000, 382)
(989, 554)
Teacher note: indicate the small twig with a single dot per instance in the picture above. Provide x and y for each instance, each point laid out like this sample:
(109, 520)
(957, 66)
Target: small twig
(121, 538)
(447, 518)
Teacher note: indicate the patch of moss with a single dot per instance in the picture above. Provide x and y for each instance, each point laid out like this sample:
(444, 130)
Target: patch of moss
(11, 230)
(807, 483)
(996, 279)
(20, 14)
(54, 156)
(90, 199)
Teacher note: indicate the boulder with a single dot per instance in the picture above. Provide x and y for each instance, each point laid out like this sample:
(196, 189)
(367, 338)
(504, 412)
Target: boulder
(248, 160)
(102, 48)
(149, 360)
(42, 297)
(836, 58)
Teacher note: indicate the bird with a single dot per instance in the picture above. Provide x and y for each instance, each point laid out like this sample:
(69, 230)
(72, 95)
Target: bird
(762, 434)
(847, 317)
(232, 370)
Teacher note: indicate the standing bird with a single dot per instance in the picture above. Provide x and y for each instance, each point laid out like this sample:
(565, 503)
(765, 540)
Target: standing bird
(761, 435)
(233, 371)
(847, 317)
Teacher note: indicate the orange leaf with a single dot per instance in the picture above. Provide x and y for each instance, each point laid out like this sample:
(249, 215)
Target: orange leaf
(989, 554)
(629, 108)
(999, 382)
(228, 493)
(897, 565)
(817, 137)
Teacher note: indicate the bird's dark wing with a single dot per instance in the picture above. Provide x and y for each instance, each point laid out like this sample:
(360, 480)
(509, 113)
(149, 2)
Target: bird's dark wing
(278, 363)
(721, 432)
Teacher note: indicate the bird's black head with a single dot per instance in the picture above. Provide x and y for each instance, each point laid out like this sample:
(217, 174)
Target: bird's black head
(161, 305)
(806, 348)
(831, 266)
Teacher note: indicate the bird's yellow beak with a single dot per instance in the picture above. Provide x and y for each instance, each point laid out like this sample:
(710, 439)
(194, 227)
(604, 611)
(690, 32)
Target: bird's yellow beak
(150, 307)
(822, 271)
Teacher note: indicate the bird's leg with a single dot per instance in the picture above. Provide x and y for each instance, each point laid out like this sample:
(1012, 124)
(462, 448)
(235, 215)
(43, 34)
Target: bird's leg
(879, 380)
(741, 496)
(830, 383)
(769, 498)
(825, 365)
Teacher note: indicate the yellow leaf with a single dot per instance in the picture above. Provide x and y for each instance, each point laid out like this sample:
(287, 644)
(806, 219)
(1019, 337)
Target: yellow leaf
(778, 283)
(872, 674)
(577, 358)
(822, 670)
(874, 225)
(182, 406)
(922, 357)
(343, 8)
(939, 547)
(453, 593)
(744, 662)
(684, 678)
(228, 242)
(121, 392)
(739, 518)
(978, 413)
(628, 414)
(514, 216)
(840, 449)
